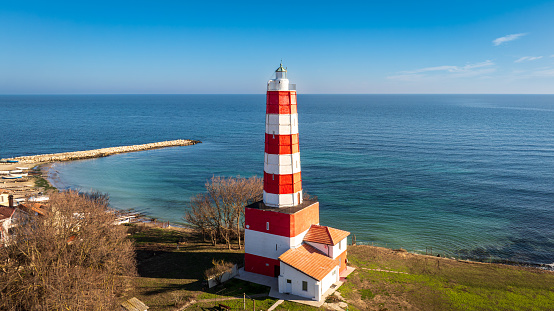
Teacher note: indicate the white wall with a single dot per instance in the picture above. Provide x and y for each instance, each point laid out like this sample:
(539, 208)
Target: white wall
(282, 129)
(263, 244)
(336, 250)
(288, 272)
(282, 163)
(281, 119)
(224, 278)
(286, 199)
(328, 280)
(4, 199)
(278, 84)
(315, 288)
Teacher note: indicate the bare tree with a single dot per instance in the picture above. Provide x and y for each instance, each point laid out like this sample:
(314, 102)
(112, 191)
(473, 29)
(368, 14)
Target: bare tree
(220, 211)
(73, 259)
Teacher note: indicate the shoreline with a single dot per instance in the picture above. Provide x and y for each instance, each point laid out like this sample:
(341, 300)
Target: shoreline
(38, 182)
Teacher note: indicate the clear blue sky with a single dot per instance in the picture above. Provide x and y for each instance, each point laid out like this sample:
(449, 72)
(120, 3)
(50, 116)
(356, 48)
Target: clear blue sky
(204, 47)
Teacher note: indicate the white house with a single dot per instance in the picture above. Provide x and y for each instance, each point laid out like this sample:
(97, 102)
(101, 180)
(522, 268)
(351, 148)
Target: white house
(8, 216)
(4, 196)
(310, 269)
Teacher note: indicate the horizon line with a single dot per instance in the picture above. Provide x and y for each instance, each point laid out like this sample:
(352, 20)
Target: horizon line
(158, 94)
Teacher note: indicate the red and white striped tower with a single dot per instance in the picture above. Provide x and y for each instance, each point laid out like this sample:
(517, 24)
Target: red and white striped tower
(282, 179)
(282, 219)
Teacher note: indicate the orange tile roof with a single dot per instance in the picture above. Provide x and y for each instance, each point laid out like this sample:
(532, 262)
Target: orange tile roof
(325, 235)
(308, 260)
(34, 207)
(2, 191)
(6, 212)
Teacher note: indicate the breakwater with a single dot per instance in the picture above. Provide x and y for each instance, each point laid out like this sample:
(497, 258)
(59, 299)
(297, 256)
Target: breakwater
(98, 153)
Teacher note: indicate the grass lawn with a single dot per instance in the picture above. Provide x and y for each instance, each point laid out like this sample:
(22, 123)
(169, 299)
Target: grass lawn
(431, 283)
(171, 264)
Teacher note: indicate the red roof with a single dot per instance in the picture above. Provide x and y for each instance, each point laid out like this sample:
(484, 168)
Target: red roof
(6, 212)
(34, 207)
(308, 260)
(325, 235)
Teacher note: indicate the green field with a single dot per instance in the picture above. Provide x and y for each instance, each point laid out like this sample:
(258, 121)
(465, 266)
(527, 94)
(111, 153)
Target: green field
(431, 283)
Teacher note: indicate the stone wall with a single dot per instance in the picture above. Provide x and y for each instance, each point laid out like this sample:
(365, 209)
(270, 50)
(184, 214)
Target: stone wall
(104, 152)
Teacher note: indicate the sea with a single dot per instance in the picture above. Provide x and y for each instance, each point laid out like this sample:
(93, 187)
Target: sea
(464, 176)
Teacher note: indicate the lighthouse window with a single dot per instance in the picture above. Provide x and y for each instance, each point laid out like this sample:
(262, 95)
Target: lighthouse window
(272, 176)
(273, 134)
(275, 246)
(267, 225)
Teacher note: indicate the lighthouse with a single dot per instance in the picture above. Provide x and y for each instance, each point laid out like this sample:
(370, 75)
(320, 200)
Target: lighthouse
(282, 178)
(282, 235)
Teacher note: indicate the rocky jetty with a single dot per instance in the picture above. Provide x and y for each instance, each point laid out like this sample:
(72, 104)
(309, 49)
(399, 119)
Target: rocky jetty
(104, 152)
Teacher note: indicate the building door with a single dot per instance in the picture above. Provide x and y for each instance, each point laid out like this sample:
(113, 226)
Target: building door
(276, 270)
(288, 288)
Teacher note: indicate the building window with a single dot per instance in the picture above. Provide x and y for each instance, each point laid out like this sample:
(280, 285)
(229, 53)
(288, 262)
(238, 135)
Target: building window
(305, 286)
(267, 225)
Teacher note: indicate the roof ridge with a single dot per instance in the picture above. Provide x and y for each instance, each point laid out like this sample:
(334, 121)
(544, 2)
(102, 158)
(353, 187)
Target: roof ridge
(330, 235)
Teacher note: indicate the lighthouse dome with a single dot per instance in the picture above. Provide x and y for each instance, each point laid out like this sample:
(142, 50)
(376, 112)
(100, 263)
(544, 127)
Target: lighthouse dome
(280, 83)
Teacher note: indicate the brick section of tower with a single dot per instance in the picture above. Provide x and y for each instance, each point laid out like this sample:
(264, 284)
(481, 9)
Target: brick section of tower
(281, 144)
(281, 102)
(272, 231)
(288, 222)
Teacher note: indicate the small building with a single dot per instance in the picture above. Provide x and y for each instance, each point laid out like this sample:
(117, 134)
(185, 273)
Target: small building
(33, 208)
(5, 196)
(306, 272)
(9, 218)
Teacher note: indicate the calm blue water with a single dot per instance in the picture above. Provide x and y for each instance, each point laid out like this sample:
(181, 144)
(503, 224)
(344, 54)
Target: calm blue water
(468, 175)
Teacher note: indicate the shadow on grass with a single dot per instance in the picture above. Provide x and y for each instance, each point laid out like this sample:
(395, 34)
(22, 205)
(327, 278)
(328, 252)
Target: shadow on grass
(180, 265)
(172, 287)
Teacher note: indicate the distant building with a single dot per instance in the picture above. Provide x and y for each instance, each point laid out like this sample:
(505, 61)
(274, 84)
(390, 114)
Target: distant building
(5, 197)
(12, 216)
(283, 237)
